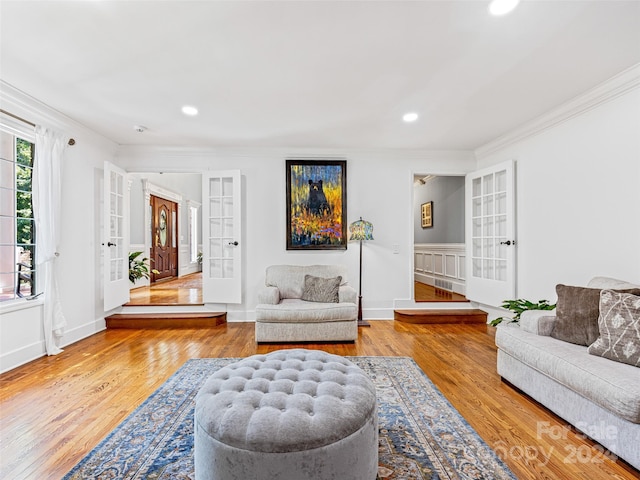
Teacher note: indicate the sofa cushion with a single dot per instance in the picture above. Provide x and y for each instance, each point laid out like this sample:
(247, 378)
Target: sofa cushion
(610, 284)
(619, 324)
(299, 311)
(577, 312)
(318, 289)
(289, 279)
(611, 385)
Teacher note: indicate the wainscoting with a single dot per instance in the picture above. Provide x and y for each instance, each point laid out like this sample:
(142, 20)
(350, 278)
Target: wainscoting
(441, 265)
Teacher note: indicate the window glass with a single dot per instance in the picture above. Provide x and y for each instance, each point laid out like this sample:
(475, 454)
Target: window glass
(17, 226)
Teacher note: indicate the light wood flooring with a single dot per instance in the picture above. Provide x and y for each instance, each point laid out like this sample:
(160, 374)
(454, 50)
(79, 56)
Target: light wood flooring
(54, 410)
(427, 293)
(185, 290)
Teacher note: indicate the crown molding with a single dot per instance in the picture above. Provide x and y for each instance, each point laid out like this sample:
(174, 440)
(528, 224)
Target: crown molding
(620, 84)
(291, 152)
(33, 110)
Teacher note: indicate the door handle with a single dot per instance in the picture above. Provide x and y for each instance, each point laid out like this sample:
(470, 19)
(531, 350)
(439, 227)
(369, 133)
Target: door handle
(508, 242)
(235, 244)
(109, 244)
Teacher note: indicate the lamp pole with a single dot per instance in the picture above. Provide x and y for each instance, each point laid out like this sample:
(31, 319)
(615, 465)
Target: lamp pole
(361, 322)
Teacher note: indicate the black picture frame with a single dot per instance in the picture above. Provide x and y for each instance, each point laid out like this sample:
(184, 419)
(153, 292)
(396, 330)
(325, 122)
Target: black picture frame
(316, 204)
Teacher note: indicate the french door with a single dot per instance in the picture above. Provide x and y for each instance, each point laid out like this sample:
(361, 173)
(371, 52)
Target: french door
(115, 236)
(490, 234)
(222, 247)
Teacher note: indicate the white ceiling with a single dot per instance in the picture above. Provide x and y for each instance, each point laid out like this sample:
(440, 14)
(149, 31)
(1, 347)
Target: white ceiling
(317, 74)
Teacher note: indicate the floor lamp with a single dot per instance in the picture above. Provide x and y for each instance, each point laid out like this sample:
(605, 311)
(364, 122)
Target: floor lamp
(361, 230)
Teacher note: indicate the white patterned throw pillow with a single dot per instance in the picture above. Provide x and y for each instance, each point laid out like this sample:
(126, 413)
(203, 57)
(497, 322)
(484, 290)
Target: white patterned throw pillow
(619, 325)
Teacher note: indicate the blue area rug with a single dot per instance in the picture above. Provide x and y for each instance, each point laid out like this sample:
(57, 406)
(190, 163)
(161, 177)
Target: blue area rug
(421, 435)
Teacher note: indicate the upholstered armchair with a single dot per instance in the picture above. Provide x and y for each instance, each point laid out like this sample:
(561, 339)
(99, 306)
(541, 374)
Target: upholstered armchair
(306, 304)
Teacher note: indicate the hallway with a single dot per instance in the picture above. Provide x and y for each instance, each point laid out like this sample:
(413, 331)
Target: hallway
(186, 290)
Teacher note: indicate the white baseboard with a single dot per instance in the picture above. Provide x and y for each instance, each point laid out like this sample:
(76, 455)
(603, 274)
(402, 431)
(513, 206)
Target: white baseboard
(26, 354)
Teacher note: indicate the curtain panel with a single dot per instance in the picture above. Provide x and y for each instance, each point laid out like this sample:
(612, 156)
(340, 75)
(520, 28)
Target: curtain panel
(47, 188)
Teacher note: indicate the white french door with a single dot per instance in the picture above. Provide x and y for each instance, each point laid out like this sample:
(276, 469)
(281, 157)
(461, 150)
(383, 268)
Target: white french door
(221, 246)
(115, 236)
(490, 234)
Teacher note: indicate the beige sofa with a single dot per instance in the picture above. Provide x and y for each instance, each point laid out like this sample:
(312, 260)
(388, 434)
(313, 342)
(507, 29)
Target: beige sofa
(598, 396)
(282, 315)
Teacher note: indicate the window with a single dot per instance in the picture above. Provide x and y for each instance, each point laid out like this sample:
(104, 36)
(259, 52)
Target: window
(194, 254)
(17, 226)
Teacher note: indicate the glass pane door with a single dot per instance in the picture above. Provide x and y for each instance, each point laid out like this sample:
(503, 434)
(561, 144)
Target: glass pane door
(222, 249)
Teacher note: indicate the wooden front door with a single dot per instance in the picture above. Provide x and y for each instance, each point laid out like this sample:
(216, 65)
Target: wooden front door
(164, 234)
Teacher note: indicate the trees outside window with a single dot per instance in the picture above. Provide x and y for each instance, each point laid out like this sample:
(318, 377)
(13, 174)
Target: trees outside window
(17, 226)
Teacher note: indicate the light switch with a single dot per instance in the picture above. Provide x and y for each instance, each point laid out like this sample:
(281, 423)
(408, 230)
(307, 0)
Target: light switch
(395, 248)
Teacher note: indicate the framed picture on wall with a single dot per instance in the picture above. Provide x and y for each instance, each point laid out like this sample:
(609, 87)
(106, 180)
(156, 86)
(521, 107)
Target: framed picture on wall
(427, 215)
(316, 204)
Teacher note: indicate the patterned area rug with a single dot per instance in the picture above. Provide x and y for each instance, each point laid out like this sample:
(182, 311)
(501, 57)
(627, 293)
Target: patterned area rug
(421, 435)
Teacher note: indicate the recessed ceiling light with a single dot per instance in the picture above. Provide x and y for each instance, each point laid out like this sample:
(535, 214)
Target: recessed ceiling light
(410, 117)
(502, 7)
(190, 110)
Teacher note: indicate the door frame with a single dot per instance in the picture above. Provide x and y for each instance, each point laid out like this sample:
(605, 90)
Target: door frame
(413, 242)
(148, 189)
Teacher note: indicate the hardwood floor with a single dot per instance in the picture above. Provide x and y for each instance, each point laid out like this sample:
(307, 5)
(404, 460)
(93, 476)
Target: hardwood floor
(428, 293)
(186, 290)
(54, 410)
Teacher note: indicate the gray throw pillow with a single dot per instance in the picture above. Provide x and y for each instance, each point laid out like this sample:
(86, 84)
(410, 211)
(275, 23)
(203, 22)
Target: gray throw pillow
(318, 289)
(619, 324)
(577, 312)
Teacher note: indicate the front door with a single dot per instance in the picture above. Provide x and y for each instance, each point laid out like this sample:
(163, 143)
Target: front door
(490, 234)
(164, 234)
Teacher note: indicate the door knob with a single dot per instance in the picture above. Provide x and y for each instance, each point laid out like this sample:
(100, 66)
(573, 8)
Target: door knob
(235, 244)
(508, 242)
(109, 244)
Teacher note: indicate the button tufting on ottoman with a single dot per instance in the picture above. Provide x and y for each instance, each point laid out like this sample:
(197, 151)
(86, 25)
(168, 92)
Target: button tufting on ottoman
(291, 415)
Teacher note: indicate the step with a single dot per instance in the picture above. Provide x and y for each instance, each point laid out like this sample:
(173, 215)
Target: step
(167, 320)
(441, 315)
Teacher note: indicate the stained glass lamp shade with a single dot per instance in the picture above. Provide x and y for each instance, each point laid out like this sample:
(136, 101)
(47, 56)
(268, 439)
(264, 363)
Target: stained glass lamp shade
(361, 230)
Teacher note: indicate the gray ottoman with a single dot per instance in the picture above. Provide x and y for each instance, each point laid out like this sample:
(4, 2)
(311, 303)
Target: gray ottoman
(287, 415)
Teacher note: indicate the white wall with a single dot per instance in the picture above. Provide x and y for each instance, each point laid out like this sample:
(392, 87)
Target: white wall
(379, 188)
(578, 195)
(21, 336)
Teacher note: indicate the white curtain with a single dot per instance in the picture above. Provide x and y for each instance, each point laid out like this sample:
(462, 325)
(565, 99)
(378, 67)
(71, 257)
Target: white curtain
(47, 173)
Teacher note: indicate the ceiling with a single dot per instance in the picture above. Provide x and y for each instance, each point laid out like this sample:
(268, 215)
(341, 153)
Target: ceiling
(314, 73)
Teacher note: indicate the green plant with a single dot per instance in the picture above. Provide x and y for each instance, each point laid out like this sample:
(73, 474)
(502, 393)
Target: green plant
(138, 267)
(518, 306)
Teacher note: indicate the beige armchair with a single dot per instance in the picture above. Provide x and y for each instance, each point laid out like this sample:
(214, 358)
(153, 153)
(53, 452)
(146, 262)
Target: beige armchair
(306, 304)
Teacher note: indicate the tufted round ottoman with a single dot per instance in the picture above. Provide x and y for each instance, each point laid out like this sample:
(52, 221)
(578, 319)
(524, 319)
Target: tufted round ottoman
(287, 415)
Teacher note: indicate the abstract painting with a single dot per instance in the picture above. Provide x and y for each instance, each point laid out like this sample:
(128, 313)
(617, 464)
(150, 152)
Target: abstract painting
(316, 204)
